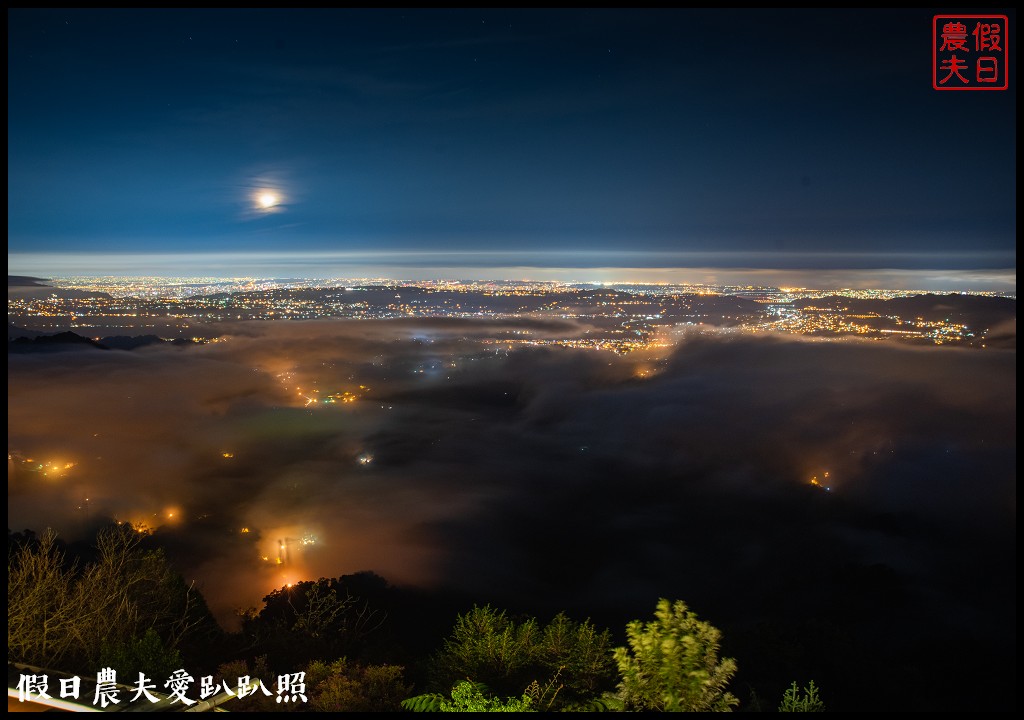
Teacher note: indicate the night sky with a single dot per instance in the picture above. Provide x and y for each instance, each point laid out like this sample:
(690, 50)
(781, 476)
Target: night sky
(635, 138)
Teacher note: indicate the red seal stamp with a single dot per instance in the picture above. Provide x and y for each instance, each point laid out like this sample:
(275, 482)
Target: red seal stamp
(969, 52)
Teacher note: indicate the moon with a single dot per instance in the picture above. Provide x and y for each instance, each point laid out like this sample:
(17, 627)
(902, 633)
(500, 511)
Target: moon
(267, 199)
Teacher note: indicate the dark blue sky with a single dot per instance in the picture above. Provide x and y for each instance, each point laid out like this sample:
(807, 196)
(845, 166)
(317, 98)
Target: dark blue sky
(524, 130)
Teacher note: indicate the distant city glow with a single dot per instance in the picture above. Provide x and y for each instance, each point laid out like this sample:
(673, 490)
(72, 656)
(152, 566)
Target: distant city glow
(919, 271)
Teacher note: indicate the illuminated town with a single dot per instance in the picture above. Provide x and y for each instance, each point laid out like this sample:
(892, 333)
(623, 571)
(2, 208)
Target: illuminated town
(623, 317)
(638, 328)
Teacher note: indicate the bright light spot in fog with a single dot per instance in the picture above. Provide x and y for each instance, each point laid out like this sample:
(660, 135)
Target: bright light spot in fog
(267, 200)
(365, 459)
(817, 483)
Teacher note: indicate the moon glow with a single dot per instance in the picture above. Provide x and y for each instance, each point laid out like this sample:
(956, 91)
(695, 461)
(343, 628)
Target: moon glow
(267, 200)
